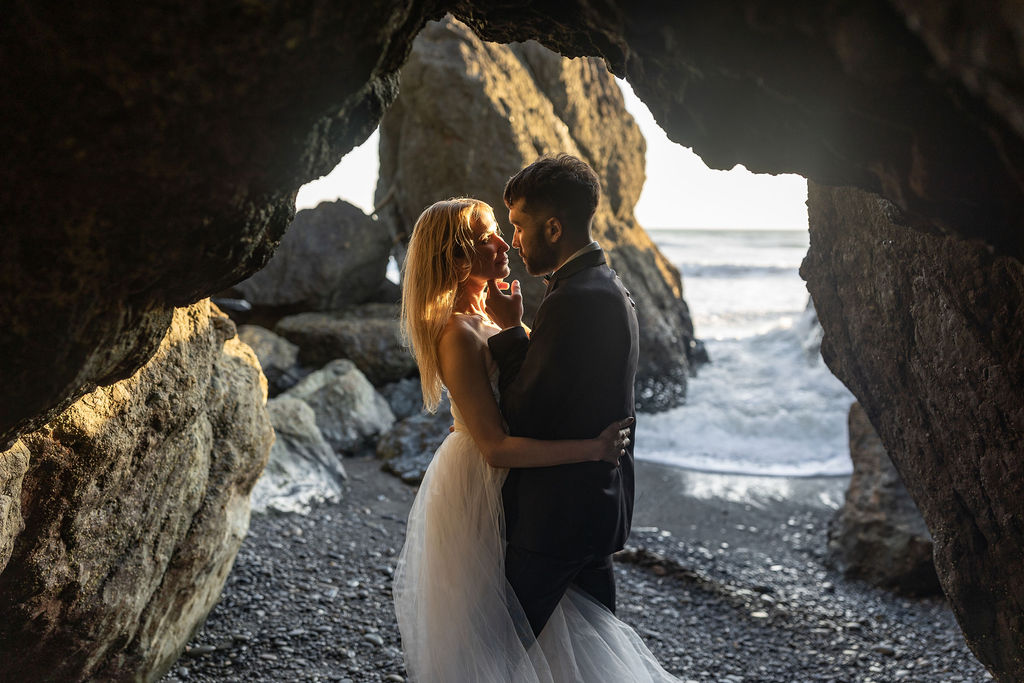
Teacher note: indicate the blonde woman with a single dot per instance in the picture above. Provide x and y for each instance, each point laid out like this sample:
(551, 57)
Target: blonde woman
(459, 619)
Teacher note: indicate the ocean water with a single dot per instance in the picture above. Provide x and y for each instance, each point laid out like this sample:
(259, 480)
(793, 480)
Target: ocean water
(766, 404)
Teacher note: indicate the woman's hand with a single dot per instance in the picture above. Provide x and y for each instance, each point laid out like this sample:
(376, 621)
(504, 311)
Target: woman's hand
(613, 440)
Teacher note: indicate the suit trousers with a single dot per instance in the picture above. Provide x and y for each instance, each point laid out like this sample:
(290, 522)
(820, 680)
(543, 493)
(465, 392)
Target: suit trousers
(539, 581)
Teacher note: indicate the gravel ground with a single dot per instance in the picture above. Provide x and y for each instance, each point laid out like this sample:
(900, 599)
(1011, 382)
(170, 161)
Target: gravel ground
(726, 583)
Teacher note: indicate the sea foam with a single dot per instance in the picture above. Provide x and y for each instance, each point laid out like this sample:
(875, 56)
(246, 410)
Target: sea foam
(766, 404)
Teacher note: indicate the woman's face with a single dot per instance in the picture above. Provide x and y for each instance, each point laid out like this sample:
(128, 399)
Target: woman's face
(490, 253)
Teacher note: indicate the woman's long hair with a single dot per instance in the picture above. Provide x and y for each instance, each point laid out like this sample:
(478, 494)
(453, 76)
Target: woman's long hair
(438, 259)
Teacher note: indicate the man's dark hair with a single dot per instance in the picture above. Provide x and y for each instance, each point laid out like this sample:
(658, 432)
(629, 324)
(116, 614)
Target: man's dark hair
(563, 186)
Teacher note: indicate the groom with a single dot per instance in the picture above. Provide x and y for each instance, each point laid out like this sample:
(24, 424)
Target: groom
(567, 379)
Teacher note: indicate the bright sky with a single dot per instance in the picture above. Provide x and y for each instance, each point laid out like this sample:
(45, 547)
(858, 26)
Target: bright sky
(680, 192)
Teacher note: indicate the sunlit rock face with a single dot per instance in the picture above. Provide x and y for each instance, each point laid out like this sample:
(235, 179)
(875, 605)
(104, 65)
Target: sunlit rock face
(131, 511)
(13, 465)
(471, 114)
(926, 330)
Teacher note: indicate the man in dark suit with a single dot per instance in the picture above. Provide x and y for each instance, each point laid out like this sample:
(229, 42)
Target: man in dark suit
(567, 379)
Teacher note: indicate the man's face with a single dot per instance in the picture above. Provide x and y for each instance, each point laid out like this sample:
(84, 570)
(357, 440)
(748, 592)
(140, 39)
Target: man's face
(531, 240)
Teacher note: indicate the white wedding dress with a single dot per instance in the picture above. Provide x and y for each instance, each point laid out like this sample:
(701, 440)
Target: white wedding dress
(457, 614)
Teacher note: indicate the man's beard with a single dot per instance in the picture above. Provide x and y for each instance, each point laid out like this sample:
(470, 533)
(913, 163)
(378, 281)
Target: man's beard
(541, 261)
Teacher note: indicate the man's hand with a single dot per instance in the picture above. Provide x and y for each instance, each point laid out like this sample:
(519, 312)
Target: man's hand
(506, 310)
(614, 440)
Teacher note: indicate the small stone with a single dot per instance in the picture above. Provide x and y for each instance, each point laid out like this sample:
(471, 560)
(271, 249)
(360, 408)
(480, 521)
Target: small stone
(374, 638)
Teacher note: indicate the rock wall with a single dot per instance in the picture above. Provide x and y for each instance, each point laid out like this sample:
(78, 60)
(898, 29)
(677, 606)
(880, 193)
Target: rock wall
(132, 508)
(13, 465)
(928, 332)
(516, 103)
(153, 158)
(899, 97)
(879, 535)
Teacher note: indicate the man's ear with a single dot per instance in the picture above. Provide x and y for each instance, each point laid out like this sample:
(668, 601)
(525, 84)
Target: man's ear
(553, 229)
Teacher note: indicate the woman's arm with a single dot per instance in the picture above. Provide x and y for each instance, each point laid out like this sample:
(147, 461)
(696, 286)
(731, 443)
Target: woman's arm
(464, 371)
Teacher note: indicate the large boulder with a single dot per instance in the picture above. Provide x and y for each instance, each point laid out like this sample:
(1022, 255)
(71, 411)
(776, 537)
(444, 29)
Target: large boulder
(925, 329)
(135, 502)
(303, 468)
(404, 396)
(368, 335)
(278, 357)
(409, 446)
(332, 256)
(349, 411)
(515, 103)
(879, 535)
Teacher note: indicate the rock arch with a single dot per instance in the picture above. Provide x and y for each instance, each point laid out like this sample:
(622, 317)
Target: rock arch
(153, 154)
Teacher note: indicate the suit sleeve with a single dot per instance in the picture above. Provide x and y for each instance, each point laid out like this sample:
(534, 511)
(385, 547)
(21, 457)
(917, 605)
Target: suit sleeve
(508, 348)
(544, 368)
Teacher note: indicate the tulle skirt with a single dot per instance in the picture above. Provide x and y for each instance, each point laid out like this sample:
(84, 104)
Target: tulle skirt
(460, 620)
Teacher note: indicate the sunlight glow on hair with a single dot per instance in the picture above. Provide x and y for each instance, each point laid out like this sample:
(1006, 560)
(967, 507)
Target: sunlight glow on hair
(440, 250)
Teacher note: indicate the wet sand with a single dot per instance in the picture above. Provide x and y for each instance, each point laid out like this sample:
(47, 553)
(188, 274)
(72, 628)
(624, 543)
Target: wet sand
(702, 505)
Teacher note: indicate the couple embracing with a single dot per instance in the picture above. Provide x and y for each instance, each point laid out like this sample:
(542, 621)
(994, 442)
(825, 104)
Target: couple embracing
(506, 573)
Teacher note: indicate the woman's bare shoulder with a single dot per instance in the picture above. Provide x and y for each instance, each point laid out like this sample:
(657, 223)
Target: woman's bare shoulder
(462, 331)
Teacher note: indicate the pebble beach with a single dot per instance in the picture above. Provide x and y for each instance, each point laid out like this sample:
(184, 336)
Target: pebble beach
(725, 577)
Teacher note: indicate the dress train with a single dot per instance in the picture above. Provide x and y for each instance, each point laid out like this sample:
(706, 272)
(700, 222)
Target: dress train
(460, 620)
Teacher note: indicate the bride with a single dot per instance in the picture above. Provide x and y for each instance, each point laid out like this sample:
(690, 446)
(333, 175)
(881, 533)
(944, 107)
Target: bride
(460, 620)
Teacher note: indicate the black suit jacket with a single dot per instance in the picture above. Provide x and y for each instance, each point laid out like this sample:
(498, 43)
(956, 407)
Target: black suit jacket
(568, 380)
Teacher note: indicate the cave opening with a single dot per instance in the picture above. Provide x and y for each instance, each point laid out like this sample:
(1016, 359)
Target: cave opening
(173, 142)
(767, 404)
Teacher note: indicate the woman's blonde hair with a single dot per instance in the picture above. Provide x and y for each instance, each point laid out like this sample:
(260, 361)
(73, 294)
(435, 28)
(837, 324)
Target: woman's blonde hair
(439, 256)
